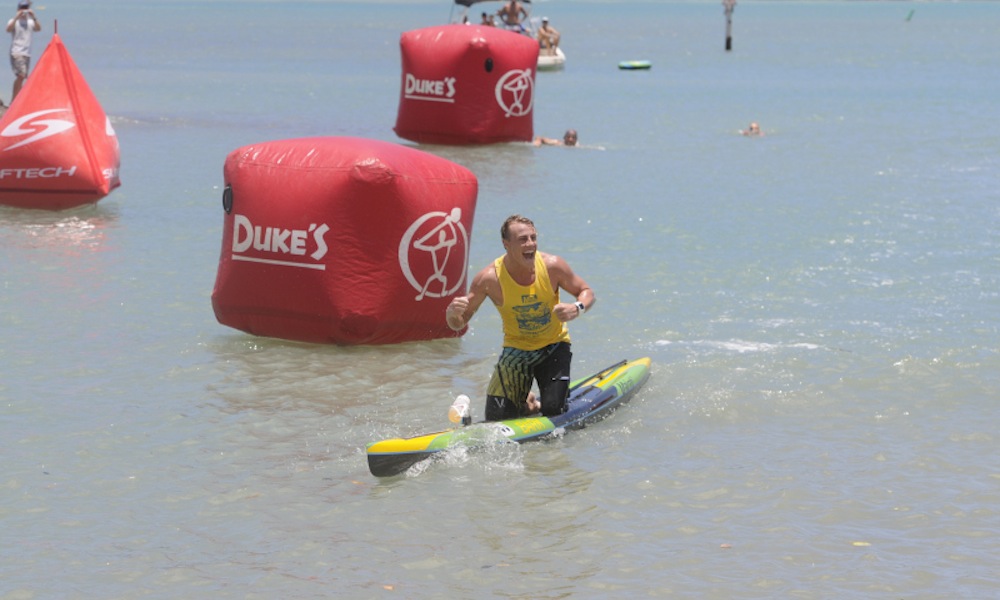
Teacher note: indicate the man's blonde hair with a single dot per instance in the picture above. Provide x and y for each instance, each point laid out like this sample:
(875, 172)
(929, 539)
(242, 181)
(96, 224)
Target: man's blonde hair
(505, 228)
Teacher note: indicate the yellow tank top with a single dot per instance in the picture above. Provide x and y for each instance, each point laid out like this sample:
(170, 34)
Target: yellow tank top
(528, 320)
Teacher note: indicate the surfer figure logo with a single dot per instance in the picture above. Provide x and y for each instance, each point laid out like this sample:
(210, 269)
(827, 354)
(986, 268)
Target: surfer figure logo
(515, 92)
(439, 243)
(42, 128)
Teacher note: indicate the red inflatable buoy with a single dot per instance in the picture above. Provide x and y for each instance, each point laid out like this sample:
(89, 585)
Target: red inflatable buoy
(466, 84)
(57, 147)
(342, 240)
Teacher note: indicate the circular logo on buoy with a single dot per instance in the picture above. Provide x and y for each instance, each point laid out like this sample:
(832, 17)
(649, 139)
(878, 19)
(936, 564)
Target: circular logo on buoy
(434, 254)
(515, 92)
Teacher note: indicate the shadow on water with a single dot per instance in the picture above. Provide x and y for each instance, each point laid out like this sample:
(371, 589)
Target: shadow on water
(490, 162)
(268, 373)
(68, 232)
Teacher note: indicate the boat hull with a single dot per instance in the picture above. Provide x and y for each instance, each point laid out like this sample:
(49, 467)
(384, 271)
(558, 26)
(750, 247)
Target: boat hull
(552, 62)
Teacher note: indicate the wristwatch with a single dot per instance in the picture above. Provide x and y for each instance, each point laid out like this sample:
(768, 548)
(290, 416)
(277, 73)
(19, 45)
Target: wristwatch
(580, 306)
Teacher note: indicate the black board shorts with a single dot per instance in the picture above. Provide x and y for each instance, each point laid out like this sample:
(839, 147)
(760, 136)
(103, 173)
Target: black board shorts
(514, 373)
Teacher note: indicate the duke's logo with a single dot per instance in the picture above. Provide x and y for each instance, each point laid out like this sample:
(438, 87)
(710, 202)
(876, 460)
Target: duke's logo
(38, 129)
(434, 90)
(434, 253)
(515, 92)
(277, 246)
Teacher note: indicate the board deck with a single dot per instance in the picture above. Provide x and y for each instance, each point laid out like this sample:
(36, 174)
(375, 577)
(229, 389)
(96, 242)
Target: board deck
(635, 65)
(590, 399)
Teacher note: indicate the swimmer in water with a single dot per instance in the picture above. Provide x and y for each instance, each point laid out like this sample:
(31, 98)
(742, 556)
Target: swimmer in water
(569, 139)
(753, 130)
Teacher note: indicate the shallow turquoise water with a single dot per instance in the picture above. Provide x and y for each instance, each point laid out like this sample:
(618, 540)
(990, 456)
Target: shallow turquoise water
(820, 305)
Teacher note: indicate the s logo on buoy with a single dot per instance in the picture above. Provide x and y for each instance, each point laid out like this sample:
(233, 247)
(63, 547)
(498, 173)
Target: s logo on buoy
(41, 128)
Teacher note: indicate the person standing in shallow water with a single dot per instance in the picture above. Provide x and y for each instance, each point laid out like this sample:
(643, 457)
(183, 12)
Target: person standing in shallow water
(524, 286)
(20, 28)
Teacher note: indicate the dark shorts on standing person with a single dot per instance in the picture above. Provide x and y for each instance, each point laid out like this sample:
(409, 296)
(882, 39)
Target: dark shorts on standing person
(506, 396)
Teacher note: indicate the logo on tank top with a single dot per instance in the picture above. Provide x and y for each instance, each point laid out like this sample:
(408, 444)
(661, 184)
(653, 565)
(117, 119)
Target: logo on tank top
(515, 92)
(532, 314)
(434, 254)
(302, 248)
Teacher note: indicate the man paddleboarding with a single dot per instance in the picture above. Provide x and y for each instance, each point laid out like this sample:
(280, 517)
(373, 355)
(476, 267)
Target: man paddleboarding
(524, 286)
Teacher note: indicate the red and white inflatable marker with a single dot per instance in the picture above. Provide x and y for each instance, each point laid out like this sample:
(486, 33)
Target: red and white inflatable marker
(342, 240)
(466, 84)
(57, 147)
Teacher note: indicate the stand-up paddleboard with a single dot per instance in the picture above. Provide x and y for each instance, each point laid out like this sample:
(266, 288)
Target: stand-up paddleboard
(590, 399)
(635, 65)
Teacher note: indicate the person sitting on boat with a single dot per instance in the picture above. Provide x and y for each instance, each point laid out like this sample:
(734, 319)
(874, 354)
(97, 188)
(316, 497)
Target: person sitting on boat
(488, 20)
(569, 139)
(548, 37)
(511, 15)
(524, 286)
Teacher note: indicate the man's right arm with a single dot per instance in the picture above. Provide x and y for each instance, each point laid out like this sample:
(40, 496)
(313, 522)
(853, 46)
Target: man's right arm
(461, 309)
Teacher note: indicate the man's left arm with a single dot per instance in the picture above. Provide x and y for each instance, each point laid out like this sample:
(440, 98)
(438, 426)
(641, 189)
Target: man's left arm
(568, 280)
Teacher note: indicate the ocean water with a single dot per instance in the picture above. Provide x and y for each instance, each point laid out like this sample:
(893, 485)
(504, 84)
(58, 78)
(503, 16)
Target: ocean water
(821, 305)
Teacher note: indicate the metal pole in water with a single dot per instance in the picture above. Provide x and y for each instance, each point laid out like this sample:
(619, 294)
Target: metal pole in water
(728, 6)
